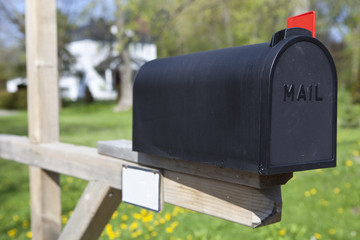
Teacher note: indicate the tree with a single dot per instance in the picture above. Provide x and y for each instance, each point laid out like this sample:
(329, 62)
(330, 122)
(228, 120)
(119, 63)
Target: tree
(342, 17)
(17, 19)
(184, 26)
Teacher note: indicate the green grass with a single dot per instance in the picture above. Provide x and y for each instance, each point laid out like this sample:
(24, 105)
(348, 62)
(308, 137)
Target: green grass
(318, 204)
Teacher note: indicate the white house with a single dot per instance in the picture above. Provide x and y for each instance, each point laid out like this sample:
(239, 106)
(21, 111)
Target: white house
(96, 67)
(90, 55)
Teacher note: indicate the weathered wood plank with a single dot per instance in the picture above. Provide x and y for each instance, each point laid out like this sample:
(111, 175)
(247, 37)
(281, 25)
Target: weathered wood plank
(249, 206)
(42, 75)
(78, 161)
(123, 149)
(245, 205)
(45, 215)
(43, 113)
(92, 212)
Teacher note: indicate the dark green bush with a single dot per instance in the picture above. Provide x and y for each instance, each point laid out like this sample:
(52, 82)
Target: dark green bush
(16, 100)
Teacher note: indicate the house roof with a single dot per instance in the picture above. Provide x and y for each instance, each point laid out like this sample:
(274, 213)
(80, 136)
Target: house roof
(97, 30)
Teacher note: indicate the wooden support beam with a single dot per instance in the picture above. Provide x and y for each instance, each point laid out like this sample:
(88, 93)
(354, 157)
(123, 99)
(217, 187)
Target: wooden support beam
(43, 113)
(123, 149)
(92, 212)
(44, 192)
(246, 205)
(237, 203)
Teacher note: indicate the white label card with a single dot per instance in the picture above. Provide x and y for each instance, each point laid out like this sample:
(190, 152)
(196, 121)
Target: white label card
(141, 187)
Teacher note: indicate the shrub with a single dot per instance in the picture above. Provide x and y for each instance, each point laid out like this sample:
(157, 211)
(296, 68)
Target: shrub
(16, 100)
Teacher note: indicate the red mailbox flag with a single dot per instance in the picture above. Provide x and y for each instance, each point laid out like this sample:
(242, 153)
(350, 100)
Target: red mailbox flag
(305, 20)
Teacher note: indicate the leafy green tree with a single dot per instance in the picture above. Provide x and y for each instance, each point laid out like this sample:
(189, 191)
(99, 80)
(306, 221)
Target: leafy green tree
(184, 26)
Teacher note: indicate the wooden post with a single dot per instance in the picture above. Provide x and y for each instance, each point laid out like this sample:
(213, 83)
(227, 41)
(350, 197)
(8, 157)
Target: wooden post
(45, 204)
(43, 111)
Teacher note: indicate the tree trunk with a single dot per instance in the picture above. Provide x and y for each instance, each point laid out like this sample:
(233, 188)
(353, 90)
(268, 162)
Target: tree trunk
(301, 6)
(355, 50)
(355, 54)
(227, 24)
(126, 95)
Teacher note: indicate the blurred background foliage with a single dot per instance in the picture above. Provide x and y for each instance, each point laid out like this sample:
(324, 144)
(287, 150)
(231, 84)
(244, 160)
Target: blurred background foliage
(186, 26)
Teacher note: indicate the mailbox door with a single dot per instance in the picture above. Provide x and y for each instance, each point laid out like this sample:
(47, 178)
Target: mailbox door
(303, 108)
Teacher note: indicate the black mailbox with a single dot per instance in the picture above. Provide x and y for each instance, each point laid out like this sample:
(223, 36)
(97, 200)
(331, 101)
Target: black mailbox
(268, 108)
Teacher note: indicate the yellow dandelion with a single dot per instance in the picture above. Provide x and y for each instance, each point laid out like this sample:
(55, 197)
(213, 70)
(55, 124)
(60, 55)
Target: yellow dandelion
(69, 179)
(307, 194)
(169, 230)
(175, 211)
(174, 224)
(70, 213)
(332, 231)
(336, 190)
(137, 215)
(66, 188)
(151, 229)
(349, 163)
(25, 224)
(282, 232)
(111, 235)
(143, 212)
(123, 226)
(340, 210)
(167, 216)
(335, 172)
(317, 235)
(156, 223)
(172, 238)
(356, 153)
(324, 202)
(147, 218)
(16, 218)
(109, 231)
(154, 234)
(134, 225)
(124, 217)
(189, 237)
(347, 185)
(115, 214)
(136, 234)
(147, 236)
(313, 191)
(29, 234)
(319, 171)
(12, 232)
(64, 219)
(162, 221)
